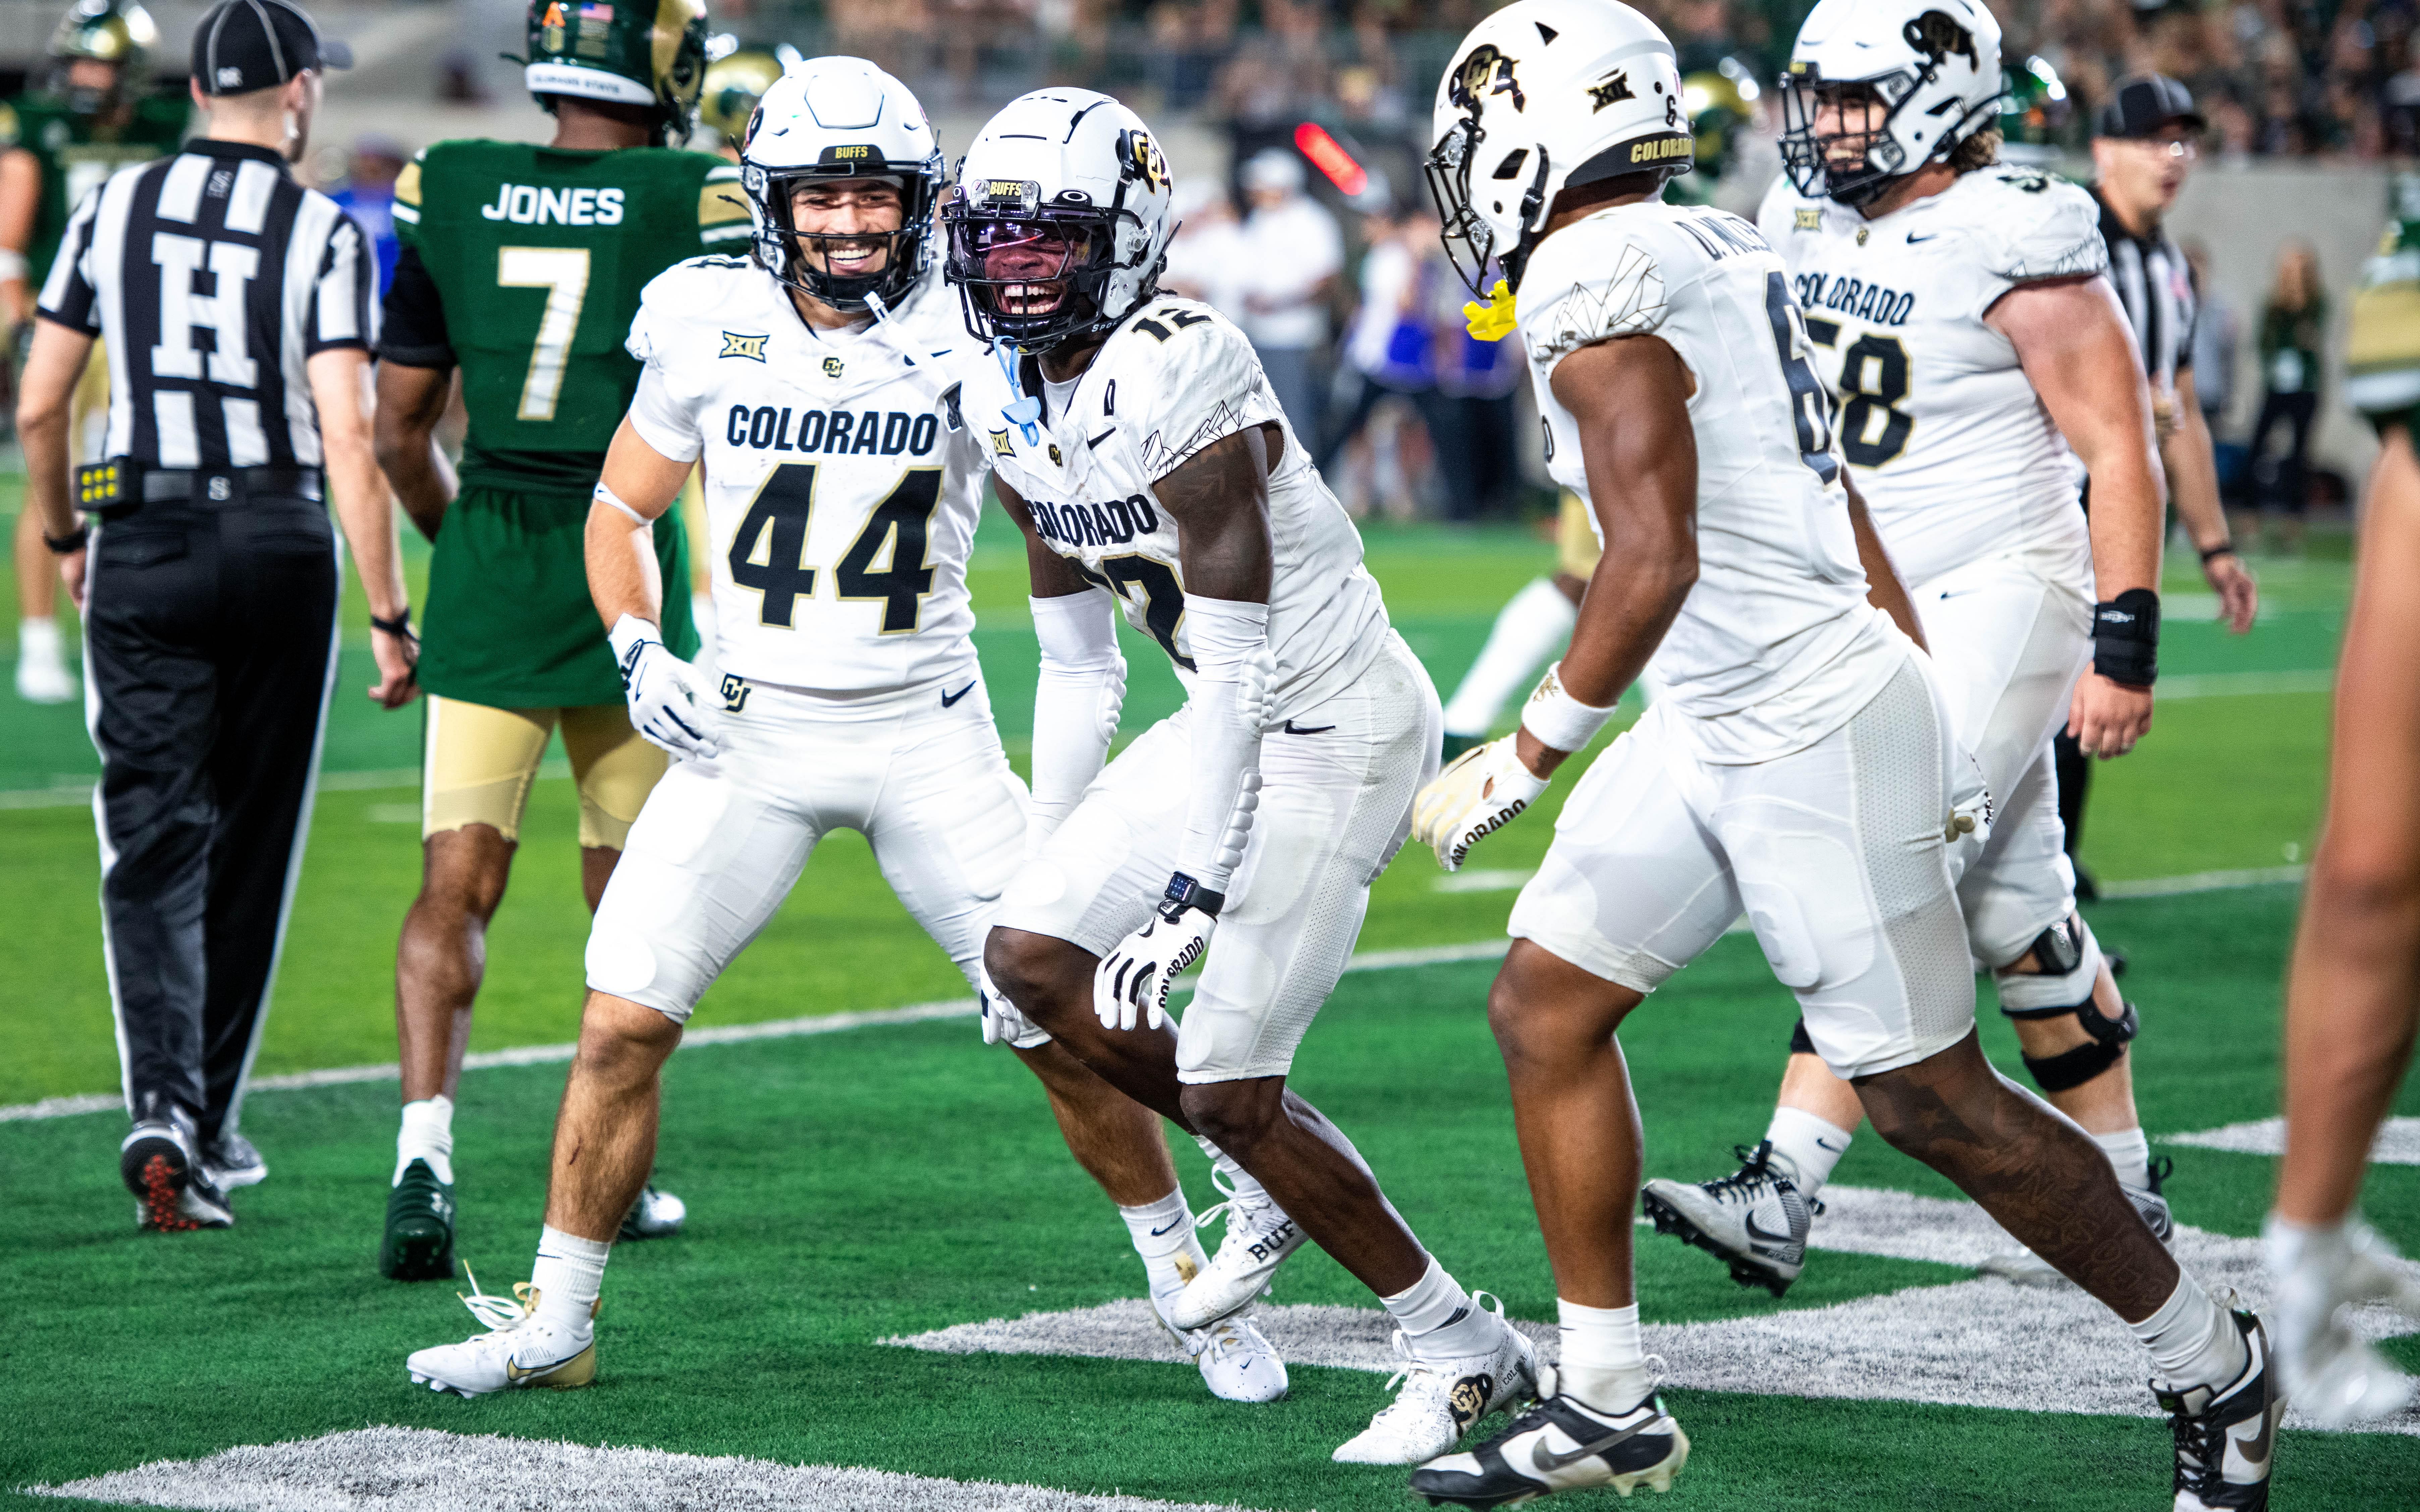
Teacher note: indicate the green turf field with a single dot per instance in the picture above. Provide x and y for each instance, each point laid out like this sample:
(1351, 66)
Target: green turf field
(891, 1181)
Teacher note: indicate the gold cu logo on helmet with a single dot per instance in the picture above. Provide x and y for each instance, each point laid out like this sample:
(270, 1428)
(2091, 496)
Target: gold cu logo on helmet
(1487, 71)
(1150, 165)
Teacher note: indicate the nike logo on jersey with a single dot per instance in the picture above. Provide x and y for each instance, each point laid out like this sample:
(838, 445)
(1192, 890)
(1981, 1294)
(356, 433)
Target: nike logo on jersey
(1315, 729)
(1913, 238)
(950, 700)
(1096, 441)
(834, 432)
(1870, 302)
(525, 204)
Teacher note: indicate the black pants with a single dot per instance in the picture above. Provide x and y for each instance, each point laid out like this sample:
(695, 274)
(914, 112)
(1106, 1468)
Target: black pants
(210, 653)
(2287, 477)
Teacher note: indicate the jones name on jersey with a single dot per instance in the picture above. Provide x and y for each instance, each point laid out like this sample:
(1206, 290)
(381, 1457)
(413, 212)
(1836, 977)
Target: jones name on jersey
(1955, 455)
(1174, 377)
(841, 498)
(1775, 646)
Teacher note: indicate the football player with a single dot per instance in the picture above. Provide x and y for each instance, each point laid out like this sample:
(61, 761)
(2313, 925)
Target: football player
(1138, 446)
(2352, 997)
(521, 267)
(1961, 310)
(1800, 767)
(94, 115)
(843, 493)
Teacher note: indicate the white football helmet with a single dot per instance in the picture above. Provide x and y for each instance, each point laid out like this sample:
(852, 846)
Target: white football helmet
(840, 118)
(1543, 96)
(1058, 225)
(1911, 79)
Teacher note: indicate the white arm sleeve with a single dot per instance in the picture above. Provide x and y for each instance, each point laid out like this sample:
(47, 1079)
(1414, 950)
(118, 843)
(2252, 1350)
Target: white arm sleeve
(1076, 700)
(1231, 696)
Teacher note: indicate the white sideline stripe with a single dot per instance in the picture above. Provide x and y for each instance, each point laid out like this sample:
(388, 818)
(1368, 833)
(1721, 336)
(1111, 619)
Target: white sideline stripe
(2258, 877)
(2050, 1349)
(2399, 1141)
(424, 1470)
(542, 1055)
(2236, 685)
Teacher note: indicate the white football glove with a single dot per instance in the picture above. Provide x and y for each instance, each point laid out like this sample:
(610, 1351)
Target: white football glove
(1134, 979)
(1472, 800)
(670, 702)
(1001, 1023)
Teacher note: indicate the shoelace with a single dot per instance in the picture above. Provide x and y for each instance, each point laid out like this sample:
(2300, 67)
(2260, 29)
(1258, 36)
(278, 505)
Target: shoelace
(1416, 1375)
(1755, 1176)
(501, 1315)
(1241, 1212)
(2201, 1447)
(1223, 1338)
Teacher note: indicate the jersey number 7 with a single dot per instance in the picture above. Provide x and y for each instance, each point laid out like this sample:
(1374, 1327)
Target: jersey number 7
(776, 528)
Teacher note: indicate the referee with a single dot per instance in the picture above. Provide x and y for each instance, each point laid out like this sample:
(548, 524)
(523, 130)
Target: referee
(2144, 145)
(237, 309)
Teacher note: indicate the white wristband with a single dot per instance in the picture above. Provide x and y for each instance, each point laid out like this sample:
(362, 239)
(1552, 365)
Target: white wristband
(1560, 722)
(609, 497)
(14, 269)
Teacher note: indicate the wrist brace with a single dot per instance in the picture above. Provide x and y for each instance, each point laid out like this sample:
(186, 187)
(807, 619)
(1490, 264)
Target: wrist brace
(2126, 638)
(1560, 722)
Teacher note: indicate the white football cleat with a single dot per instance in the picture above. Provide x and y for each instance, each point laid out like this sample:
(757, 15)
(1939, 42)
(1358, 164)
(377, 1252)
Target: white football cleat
(1559, 1444)
(1440, 1398)
(519, 1350)
(1753, 1219)
(1238, 1364)
(2026, 1269)
(1259, 1238)
(2334, 1376)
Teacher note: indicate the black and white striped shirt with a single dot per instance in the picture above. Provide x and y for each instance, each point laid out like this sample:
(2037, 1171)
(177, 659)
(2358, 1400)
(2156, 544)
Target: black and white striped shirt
(213, 277)
(2157, 288)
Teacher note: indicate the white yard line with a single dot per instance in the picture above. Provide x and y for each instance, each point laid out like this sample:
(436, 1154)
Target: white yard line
(2398, 1142)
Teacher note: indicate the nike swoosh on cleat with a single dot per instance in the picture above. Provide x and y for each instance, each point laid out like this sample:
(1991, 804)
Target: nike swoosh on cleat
(517, 1375)
(1543, 1460)
(950, 699)
(1756, 1230)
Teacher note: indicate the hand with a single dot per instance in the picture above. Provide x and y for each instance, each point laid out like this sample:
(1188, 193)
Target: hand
(1135, 978)
(1472, 800)
(72, 568)
(2108, 718)
(2238, 595)
(1001, 1023)
(398, 661)
(670, 703)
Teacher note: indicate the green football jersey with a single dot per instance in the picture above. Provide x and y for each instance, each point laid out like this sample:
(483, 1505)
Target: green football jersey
(538, 257)
(78, 153)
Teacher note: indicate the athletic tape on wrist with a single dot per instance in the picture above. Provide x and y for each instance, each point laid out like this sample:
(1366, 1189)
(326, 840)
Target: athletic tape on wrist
(14, 269)
(2126, 638)
(606, 496)
(1560, 722)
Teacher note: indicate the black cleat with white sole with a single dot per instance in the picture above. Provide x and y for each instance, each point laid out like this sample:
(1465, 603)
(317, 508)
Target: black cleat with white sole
(2226, 1439)
(1753, 1219)
(1559, 1444)
(418, 1241)
(160, 1163)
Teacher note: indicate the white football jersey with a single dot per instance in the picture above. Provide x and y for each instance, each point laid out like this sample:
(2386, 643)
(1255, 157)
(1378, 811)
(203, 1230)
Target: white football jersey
(1175, 377)
(1775, 646)
(1954, 454)
(841, 495)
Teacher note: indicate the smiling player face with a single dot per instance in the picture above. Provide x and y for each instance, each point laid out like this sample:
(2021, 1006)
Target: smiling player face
(844, 228)
(1032, 259)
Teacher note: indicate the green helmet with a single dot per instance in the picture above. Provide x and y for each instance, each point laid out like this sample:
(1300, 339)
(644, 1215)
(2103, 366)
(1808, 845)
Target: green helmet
(647, 53)
(733, 84)
(1718, 103)
(116, 32)
(2034, 113)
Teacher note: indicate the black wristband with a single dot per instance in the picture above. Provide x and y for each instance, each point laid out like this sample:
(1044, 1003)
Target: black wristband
(69, 544)
(401, 624)
(2224, 548)
(1184, 892)
(2126, 638)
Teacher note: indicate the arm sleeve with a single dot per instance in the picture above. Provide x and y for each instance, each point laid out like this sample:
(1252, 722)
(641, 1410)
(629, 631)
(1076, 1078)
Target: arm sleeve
(343, 313)
(68, 298)
(724, 222)
(1204, 384)
(1230, 702)
(413, 334)
(1076, 698)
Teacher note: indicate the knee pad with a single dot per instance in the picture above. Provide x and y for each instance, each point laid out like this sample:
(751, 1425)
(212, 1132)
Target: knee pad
(1800, 1043)
(2071, 1069)
(2072, 959)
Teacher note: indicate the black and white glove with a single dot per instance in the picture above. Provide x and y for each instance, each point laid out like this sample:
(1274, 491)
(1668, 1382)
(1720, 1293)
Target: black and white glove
(1133, 980)
(670, 703)
(1001, 1023)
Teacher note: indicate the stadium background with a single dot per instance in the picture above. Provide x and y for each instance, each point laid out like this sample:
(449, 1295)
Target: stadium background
(894, 1179)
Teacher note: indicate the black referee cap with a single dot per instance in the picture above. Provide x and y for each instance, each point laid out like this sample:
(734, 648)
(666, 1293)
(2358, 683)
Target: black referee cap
(2142, 105)
(244, 45)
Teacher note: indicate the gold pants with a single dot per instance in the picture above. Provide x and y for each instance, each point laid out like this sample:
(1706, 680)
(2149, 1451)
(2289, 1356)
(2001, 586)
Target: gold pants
(1575, 547)
(481, 761)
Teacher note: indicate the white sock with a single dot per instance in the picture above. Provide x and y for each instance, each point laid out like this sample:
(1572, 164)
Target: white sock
(427, 1133)
(1602, 1363)
(1246, 1185)
(567, 1276)
(2130, 1152)
(2191, 1340)
(1527, 633)
(1163, 1232)
(1438, 1317)
(1805, 1148)
(37, 639)
(2286, 1244)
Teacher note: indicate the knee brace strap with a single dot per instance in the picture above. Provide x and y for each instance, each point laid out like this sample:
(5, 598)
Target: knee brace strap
(1800, 1043)
(2071, 1069)
(2071, 957)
